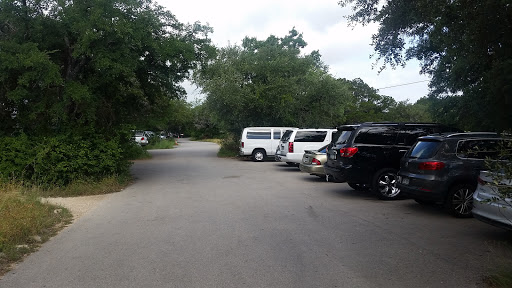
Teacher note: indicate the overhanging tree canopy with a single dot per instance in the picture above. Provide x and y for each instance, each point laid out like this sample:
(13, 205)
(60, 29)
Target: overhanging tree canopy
(466, 46)
(95, 64)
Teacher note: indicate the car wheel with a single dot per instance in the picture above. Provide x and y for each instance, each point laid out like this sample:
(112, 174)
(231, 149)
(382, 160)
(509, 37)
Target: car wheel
(258, 155)
(384, 184)
(358, 186)
(459, 201)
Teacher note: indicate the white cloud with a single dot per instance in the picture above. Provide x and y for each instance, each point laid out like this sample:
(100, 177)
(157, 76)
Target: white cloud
(345, 50)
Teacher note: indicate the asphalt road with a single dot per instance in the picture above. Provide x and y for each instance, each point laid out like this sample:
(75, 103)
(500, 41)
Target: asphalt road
(194, 220)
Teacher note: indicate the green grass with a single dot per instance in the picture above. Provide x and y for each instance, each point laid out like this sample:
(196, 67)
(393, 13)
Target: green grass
(84, 188)
(160, 144)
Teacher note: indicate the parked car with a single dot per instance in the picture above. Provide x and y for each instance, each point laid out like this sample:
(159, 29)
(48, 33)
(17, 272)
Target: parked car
(444, 169)
(489, 205)
(300, 140)
(284, 139)
(141, 138)
(260, 142)
(313, 161)
(367, 156)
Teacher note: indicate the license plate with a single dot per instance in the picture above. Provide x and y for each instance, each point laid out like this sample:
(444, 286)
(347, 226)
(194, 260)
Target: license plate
(405, 181)
(332, 156)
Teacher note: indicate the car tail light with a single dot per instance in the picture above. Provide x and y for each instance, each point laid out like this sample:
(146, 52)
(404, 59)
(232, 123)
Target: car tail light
(431, 166)
(142, 139)
(242, 144)
(348, 152)
(290, 147)
(316, 162)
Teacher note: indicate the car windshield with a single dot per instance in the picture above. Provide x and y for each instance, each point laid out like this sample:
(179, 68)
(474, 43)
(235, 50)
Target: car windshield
(424, 149)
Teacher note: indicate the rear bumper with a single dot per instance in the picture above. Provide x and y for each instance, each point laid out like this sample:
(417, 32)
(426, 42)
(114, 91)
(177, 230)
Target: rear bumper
(312, 169)
(423, 187)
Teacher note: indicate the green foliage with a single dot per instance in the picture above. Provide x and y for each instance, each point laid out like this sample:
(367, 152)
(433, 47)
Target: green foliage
(60, 160)
(269, 83)
(229, 146)
(158, 143)
(466, 46)
(100, 64)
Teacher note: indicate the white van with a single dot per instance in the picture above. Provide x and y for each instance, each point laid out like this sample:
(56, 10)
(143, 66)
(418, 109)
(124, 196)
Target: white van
(260, 142)
(292, 149)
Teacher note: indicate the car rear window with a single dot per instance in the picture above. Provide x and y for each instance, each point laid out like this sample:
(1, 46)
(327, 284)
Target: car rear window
(286, 135)
(341, 137)
(424, 149)
(310, 136)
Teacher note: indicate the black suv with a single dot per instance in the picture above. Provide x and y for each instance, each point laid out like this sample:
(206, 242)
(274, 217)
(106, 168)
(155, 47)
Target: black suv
(367, 156)
(444, 169)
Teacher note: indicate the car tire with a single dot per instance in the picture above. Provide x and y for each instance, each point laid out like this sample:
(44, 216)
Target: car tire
(384, 184)
(358, 186)
(459, 201)
(258, 155)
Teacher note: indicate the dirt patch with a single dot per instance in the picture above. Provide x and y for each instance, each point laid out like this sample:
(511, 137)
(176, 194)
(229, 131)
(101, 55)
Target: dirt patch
(78, 206)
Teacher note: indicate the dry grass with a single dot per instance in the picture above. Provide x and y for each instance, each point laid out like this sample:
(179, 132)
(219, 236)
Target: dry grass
(26, 223)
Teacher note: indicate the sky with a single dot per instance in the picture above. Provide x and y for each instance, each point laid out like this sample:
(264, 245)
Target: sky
(345, 50)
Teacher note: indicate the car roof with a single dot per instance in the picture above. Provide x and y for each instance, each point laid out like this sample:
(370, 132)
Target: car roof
(464, 135)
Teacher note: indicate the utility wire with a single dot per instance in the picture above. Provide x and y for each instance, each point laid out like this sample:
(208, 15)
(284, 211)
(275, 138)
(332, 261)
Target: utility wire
(402, 84)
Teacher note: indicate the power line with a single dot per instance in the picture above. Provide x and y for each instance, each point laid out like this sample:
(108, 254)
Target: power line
(402, 84)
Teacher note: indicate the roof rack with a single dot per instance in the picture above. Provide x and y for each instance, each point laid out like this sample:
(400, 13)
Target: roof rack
(473, 134)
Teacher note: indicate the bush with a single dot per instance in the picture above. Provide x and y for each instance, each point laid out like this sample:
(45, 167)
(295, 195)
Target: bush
(229, 146)
(61, 159)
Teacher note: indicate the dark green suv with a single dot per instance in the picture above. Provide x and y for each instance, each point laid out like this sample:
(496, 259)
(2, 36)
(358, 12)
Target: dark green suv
(444, 169)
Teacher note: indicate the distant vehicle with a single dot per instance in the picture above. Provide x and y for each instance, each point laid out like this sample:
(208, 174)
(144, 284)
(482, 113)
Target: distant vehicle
(444, 169)
(300, 140)
(260, 142)
(141, 138)
(367, 155)
(150, 134)
(488, 205)
(313, 162)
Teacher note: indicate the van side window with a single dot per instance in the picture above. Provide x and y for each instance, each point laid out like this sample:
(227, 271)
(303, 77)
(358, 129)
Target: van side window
(277, 134)
(310, 136)
(258, 135)
(383, 135)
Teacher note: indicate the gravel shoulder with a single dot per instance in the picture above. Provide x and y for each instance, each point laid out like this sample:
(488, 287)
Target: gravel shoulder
(78, 206)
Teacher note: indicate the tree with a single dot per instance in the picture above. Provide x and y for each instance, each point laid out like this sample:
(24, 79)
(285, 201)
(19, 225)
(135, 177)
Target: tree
(76, 76)
(92, 64)
(466, 46)
(270, 83)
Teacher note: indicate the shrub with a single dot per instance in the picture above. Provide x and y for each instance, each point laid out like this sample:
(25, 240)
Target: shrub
(61, 159)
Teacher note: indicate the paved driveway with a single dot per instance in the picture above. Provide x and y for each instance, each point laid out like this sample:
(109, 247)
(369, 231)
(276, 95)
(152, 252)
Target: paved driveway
(194, 220)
